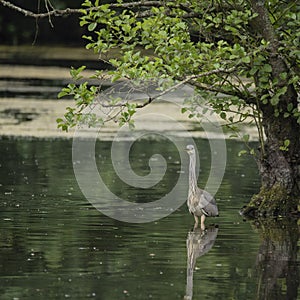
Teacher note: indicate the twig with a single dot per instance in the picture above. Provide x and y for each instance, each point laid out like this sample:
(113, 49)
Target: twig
(47, 4)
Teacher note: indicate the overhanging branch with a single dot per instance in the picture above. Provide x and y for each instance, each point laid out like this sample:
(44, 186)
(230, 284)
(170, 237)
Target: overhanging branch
(28, 13)
(68, 11)
(185, 81)
(182, 81)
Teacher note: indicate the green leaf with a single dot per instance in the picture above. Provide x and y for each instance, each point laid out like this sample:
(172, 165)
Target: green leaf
(75, 73)
(290, 107)
(253, 70)
(286, 143)
(252, 151)
(285, 146)
(92, 26)
(266, 68)
(246, 138)
(183, 110)
(274, 100)
(223, 115)
(283, 75)
(246, 59)
(242, 152)
(62, 93)
(115, 77)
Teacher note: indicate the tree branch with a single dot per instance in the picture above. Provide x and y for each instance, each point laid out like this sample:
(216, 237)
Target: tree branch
(248, 98)
(28, 13)
(67, 11)
(183, 81)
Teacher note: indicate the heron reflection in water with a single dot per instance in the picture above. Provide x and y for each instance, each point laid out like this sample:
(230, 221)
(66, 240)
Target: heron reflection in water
(200, 203)
(198, 243)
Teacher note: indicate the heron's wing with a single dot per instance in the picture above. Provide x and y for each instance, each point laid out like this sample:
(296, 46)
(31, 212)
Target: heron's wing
(207, 203)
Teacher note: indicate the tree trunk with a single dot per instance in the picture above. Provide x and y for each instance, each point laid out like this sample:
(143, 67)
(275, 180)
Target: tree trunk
(279, 168)
(279, 164)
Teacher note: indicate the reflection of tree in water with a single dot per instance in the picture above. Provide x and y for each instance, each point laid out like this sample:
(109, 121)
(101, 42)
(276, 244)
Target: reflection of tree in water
(276, 263)
(198, 243)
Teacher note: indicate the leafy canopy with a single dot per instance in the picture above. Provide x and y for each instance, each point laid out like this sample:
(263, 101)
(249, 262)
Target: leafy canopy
(214, 45)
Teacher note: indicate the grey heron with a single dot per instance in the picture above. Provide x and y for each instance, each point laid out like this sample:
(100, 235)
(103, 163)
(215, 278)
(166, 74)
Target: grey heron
(200, 203)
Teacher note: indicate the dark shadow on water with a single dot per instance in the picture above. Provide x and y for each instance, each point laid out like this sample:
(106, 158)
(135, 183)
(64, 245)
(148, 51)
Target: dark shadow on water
(198, 243)
(277, 269)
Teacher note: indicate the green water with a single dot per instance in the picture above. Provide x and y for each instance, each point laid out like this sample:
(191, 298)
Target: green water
(55, 245)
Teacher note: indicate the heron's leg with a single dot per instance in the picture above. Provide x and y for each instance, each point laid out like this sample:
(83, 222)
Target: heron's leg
(196, 221)
(202, 222)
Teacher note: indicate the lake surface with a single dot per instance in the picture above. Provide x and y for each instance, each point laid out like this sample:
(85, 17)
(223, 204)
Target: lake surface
(55, 245)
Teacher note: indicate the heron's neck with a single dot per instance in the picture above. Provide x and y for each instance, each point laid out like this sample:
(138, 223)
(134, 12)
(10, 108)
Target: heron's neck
(192, 174)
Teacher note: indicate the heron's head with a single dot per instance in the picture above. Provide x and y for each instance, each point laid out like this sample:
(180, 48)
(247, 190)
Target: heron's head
(190, 149)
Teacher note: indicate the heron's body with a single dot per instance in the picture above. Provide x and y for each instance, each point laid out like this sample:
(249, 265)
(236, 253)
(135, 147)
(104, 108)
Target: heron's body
(200, 203)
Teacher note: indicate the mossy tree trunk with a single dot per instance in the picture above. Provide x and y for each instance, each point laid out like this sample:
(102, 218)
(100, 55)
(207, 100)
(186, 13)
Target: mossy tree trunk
(279, 164)
(279, 168)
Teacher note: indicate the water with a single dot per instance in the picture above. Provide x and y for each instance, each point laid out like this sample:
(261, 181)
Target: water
(55, 245)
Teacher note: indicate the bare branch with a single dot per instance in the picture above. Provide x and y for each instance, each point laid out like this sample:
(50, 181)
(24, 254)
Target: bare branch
(53, 12)
(68, 11)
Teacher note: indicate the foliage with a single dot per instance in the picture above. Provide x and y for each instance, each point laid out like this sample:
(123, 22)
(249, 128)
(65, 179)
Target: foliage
(178, 39)
(83, 95)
